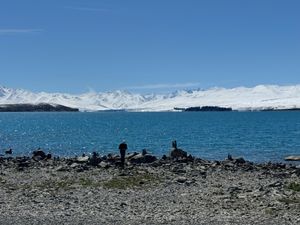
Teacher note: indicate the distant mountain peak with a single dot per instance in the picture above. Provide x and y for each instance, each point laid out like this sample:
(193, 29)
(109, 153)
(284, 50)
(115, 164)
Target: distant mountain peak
(258, 97)
(3, 90)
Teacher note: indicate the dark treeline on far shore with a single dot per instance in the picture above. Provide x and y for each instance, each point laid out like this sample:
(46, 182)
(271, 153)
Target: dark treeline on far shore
(206, 109)
(42, 107)
(228, 109)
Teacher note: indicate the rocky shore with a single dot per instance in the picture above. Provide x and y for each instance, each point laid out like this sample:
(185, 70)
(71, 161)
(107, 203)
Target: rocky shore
(179, 189)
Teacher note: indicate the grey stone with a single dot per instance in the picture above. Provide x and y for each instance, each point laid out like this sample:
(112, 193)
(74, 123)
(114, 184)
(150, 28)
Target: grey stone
(82, 159)
(104, 165)
(140, 158)
(292, 158)
(181, 179)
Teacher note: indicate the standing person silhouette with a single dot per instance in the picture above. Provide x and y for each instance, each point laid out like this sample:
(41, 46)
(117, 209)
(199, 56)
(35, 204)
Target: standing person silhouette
(123, 148)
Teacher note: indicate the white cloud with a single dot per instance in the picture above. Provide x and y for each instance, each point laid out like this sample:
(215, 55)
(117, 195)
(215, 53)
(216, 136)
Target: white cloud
(19, 31)
(165, 86)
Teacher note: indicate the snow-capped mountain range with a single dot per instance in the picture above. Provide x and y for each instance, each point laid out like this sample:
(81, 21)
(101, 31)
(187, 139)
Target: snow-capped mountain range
(240, 98)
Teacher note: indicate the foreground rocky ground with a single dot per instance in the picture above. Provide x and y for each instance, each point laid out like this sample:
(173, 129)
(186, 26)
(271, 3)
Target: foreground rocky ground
(166, 191)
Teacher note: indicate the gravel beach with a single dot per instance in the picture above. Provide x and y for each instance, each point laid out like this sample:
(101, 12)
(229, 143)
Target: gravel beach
(166, 191)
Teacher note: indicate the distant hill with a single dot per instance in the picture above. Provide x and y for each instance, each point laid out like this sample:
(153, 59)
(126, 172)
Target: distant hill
(42, 107)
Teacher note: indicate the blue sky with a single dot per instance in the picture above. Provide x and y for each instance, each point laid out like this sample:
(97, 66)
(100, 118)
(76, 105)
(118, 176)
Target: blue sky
(148, 46)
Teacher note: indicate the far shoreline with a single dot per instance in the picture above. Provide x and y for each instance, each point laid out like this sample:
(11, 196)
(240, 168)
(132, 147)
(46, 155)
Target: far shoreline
(49, 107)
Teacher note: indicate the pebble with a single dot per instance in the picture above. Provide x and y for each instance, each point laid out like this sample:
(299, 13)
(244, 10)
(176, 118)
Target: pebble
(181, 180)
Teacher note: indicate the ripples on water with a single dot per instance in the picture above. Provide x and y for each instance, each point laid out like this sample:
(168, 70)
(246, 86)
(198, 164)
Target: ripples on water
(258, 136)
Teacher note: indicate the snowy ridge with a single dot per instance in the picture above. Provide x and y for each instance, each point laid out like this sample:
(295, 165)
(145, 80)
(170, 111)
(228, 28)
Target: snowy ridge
(240, 98)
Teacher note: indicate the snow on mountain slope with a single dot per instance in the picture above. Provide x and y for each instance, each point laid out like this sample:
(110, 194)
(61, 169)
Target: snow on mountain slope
(240, 98)
(88, 101)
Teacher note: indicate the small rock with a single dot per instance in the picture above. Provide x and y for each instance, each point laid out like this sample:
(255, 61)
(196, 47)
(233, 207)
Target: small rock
(178, 170)
(74, 165)
(275, 184)
(203, 173)
(189, 182)
(62, 168)
(164, 157)
(104, 165)
(229, 164)
(80, 170)
(23, 164)
(123, 204)
(233, 189)
(82, 159)
(181, 180)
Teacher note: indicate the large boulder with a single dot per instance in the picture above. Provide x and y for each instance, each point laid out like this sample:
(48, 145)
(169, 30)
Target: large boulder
(131, 155)
(239, 160)
(95, 159)
(9, 151)
(141, 158)
(292, 158)
(113, 158)
(177, 153)
(82, 159)
(39, 155)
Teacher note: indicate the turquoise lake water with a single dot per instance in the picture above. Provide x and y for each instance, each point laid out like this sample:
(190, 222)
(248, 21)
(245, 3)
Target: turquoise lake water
(257, 136)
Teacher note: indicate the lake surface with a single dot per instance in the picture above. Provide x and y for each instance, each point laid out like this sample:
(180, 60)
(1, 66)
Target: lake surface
(257, 136)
